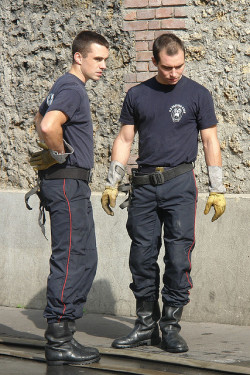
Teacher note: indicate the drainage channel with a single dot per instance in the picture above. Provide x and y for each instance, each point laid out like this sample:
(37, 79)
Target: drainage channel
(27, 353)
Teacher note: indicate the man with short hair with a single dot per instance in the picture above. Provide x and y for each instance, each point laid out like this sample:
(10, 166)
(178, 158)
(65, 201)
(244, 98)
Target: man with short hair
(64, 125)
(168, 111)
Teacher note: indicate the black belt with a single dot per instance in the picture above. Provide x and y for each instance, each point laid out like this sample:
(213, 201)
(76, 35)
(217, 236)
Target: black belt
(73, 173)
(159, 177)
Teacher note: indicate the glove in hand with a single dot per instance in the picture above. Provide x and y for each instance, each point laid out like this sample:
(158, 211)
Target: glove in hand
(109, 199)
(41, 160)
(217, 200)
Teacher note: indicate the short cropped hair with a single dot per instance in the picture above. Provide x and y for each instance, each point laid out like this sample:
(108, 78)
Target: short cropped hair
(170, 42)
(84, 39)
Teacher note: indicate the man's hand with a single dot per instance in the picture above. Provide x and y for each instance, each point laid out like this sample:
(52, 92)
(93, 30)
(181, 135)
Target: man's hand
(41, 160)
(109, 199)
(217, 200)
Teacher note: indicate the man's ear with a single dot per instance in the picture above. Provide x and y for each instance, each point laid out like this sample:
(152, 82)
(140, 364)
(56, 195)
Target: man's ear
(78, 58)
(154, 61)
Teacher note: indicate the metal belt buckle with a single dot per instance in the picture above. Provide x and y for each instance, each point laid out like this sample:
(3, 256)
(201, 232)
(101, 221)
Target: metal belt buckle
(156, 178)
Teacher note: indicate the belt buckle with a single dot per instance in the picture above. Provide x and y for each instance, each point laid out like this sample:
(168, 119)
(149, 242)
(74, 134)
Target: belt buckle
(156, 178)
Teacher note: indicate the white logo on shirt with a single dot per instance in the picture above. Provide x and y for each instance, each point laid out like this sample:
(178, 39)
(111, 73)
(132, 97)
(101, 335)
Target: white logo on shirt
(177, 112)
(50, 99)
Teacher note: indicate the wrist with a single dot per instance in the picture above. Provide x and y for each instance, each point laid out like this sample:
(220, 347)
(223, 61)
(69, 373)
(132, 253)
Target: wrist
(61, 157)
(115, 174)
(215, 180)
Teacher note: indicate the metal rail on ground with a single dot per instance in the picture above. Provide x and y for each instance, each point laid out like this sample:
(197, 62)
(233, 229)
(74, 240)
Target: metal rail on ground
(124, 361)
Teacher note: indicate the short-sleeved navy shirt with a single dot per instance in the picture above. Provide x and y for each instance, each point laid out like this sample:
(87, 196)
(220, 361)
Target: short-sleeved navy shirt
(69, 95)
(168, 119)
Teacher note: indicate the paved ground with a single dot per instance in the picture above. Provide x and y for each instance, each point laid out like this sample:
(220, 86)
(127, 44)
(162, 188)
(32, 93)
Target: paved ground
(207, 341)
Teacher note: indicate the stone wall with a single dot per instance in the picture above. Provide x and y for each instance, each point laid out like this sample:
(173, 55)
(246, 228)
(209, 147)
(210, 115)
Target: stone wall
(218, 54)
(36, 49)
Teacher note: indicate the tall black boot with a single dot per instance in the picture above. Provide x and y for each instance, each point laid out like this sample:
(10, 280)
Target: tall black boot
(146, 330)
(169, 324)
(61, 348)
(72, 328)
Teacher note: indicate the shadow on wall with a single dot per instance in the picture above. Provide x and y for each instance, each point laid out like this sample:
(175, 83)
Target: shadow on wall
(99, 296)
(100, 299)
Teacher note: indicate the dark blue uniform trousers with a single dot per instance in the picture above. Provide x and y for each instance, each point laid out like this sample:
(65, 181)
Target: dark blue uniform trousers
(74, 256)
(172, 206)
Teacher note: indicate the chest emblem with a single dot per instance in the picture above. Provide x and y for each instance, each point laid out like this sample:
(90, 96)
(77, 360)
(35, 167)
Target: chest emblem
(177, 112)
(50, 99)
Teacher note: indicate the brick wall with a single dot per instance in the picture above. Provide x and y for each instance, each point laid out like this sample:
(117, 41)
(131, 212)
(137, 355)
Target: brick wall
(147, 19)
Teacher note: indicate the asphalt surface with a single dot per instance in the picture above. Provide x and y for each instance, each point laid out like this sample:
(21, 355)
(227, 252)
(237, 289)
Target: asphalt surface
(208, 342)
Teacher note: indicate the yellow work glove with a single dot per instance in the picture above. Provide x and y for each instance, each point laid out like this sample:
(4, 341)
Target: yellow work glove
(217, 200)
(42, 159)
(109, 199)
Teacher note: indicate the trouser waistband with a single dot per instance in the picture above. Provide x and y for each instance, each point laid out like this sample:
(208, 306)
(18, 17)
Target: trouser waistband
(73, 173)
(159, 177)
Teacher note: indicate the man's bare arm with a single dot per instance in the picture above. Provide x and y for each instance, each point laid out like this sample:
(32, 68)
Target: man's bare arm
(211, 146)
(50, 129)
(122, 144)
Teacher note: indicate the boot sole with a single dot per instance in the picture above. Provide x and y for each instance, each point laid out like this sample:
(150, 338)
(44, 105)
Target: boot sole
(141, 343)
(61, 363)
(174, 350)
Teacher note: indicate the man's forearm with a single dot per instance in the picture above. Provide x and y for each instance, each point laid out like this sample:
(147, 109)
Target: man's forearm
(38, 119)
(121, 151)
(51, 130)
(212, 153)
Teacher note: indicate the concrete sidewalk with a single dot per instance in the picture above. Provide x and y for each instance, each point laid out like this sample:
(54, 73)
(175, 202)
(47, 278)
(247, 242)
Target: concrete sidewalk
(210, 342)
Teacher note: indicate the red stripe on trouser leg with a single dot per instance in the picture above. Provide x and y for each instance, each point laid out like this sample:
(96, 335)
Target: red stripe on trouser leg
(70, 234)
(194, 235)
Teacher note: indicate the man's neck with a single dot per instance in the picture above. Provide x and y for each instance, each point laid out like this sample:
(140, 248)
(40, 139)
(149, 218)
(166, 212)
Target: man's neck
(77, 72)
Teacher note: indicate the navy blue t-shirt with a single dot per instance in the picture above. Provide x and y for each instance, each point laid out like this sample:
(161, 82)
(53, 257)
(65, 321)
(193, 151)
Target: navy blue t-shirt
(69, 95)
(168, 119)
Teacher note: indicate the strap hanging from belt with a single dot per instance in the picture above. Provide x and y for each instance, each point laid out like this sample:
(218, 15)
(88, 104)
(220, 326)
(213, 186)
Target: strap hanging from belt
(158, 178)
(42, 217)
(125, 188)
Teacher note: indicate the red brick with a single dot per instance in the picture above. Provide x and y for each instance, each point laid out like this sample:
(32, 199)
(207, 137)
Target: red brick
(150, 45)
(173, 2)
(135, 25)
(145, 14)
(173, 23)
(154, 24)
(127, 86)
(143, 56)
(180, 12)
(164, 12)
(141, 46)
(135, 3)
(130, 16)
(144, 35)
(144, 76)
(130, 77)
(154, 3)
(142, 66)
(162, 31)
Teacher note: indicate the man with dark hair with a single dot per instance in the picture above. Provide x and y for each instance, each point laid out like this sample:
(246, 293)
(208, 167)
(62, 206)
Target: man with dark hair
(168, 111)
(168, 42)
(64, 124)
(82, 42)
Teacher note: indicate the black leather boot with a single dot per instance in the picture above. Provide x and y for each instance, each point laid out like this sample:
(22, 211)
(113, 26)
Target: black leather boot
(169, 324)
(146, 330)
(72, 328)
(61, 350)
